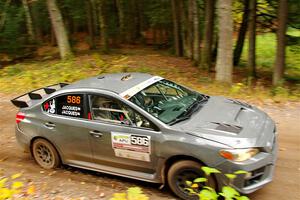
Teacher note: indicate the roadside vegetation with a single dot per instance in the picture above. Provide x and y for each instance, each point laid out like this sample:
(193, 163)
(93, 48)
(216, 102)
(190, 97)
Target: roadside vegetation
(26, 76)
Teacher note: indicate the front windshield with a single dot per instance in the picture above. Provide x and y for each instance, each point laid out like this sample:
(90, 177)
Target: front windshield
(166, 100)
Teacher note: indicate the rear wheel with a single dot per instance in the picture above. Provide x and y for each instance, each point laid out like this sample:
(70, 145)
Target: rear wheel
(183, 171)
(45, 154)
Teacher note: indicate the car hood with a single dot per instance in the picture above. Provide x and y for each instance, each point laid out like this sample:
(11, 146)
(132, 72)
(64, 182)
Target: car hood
(230, 122)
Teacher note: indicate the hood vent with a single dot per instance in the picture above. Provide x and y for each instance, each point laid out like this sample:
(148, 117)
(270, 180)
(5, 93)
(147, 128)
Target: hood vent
(228, 127)
(240, 103)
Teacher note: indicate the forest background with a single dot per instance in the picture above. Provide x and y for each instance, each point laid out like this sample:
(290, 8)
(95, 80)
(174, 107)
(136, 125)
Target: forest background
(243, 48)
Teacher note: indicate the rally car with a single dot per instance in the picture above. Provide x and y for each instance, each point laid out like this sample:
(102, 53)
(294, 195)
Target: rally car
(148, 128)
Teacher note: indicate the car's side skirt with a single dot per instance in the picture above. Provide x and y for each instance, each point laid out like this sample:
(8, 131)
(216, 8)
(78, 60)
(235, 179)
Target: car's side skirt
(121, 172)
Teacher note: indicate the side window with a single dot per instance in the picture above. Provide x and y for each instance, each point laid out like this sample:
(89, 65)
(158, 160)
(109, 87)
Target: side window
(114, 111)
(71, 105)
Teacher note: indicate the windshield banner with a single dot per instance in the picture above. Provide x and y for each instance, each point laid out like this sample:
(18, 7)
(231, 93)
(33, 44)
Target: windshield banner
(132, 91)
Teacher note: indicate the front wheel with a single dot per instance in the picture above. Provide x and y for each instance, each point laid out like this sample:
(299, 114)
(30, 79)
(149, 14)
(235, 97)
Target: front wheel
(183, 171)
(45, 154)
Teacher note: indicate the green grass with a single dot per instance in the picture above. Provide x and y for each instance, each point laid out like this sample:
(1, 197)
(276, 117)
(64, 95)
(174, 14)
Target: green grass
(266, 50)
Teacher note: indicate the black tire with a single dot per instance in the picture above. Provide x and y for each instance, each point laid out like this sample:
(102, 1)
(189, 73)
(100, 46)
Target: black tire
(183, 171)
(45, 154)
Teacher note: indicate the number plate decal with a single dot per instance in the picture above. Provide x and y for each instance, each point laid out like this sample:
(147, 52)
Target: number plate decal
(131, 146)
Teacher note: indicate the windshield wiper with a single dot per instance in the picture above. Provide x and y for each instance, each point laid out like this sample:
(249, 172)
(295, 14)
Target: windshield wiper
(190, 110)
(179, 119)
(195, 105)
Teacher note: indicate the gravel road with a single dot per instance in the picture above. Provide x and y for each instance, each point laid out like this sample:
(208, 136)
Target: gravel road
(68, 182)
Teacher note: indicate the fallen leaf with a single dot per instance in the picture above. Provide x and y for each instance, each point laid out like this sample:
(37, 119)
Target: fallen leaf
(15, 176)
(52, 173)
(3, 159)
(17, 185)
(102, 195)
(30, 190)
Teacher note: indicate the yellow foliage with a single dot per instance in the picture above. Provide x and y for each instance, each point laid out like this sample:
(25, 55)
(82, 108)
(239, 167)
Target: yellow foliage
(31, 190)
(9, 187)
(2, 182)
(133, 193)
(119, 196)
(15, 176)
(17, 185)
(5, 193)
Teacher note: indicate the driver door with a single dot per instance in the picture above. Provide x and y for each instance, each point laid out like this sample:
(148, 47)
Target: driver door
(121, 137)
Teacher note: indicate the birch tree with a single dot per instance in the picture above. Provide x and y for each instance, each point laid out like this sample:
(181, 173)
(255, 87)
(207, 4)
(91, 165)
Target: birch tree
(225, 54)
(59, 30)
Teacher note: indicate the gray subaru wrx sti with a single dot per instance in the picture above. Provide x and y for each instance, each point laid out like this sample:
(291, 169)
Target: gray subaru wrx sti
(148, 128)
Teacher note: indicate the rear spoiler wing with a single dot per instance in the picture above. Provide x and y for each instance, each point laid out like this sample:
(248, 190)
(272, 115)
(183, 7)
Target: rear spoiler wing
(23, 100)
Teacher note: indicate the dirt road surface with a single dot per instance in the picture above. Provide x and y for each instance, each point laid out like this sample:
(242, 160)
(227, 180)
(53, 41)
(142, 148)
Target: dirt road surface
(67, 183)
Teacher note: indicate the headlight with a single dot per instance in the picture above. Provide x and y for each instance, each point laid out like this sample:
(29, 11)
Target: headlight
(238, 154)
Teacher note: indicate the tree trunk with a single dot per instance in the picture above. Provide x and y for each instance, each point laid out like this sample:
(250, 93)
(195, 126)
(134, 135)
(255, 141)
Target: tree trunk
(133, 26)
(281, 42)
(196, 33)
(225, 54)
(206, 58)
(183, 24)
(176, 28)
(95, 16)
(142, 22)
(90, 23)
(3, 14)
(52, 37)
(29, 24)
(103, 27)
(35, 13)
(190, 24)
(155, 36)
(121, 17)
(242, 34)
(59, 29)
(252, 39)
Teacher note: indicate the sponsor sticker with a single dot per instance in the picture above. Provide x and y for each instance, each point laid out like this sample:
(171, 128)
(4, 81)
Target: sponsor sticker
(131, 146)
(50, 107)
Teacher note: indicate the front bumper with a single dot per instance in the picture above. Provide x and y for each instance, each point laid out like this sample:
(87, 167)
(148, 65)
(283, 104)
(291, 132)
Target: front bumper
(261, 167)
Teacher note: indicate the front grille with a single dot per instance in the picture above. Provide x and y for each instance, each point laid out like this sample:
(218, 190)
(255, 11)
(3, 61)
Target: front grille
(256, 176)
